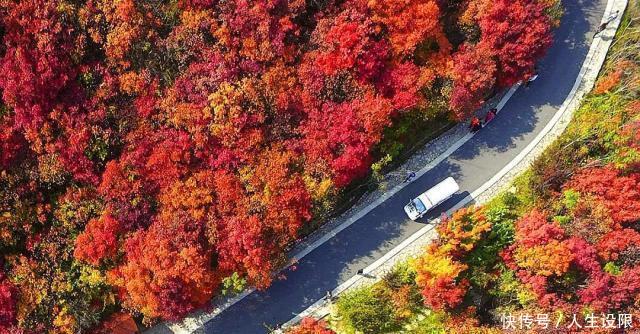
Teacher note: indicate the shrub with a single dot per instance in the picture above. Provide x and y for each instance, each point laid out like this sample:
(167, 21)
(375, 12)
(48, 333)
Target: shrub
(367, 310)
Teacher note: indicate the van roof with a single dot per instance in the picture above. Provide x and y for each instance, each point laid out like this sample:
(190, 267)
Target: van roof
(439, 192)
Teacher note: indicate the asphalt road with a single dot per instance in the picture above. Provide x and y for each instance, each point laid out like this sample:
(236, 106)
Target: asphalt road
(386, 226)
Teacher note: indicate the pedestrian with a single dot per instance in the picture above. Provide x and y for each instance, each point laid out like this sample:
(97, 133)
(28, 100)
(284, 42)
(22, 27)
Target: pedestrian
(329, 296)
(475, 125)
(604, 24)
(491, 114)
(409, 177)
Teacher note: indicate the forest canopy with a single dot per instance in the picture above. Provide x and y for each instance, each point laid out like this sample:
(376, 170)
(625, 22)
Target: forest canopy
(154, 154)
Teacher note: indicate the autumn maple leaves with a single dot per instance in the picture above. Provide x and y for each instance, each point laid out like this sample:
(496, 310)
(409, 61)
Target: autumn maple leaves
(191, 140)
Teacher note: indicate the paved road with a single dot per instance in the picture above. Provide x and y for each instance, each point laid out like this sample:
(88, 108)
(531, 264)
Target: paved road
(471, 165)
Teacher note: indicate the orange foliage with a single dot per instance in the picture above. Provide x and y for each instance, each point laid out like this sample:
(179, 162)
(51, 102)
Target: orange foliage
(167, 271)
(607, 83)
(408, 22)
(460, 233)
(310, 326)
(440, 271)
(117, 323)
(552, 258)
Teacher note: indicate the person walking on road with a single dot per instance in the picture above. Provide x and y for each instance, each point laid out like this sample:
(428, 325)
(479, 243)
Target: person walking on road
(329, 296)
(475, 125)
(491, 114)
(409, 177)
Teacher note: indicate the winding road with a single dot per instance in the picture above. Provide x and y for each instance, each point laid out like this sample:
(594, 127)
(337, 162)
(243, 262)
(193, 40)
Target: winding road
(473, 164)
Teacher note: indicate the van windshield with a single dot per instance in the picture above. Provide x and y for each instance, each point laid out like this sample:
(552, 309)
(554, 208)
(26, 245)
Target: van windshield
(419, 205)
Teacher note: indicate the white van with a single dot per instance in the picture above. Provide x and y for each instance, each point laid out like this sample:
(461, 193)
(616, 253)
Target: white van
(441, 192)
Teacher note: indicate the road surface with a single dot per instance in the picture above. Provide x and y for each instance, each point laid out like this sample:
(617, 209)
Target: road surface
(474, 163)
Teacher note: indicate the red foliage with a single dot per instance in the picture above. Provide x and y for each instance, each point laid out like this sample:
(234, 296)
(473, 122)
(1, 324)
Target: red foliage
(534, 229)
(474, 76)
(337, 137)
(517, 32)
(167, 271)
(11, 143)
(127, 194)
(99, 241)
(402, 84)
(311, 326)
(8, 309)
(619, 193)
(597, 292)
(445, 293)
(441, 271)
(117, 323)
(344, 41)
(408, 22)
(192, 138)
(37, 65)
(626, 288)
(615, 242)
(39, 84)
(542, 253)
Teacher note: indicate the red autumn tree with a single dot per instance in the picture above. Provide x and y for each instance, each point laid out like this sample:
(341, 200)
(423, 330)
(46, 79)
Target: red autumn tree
(275, 210)
(166, 272)
(99, 241)
(619, 193)
(336, 138)
(626, 288)
(346, 43)
(518, 33)
(310, 326)
(534, 229)
(474, 76)
(615, 242)
(408, 22)
(37, 64)
(117, 323)
(540, 252)
(8, 300)
(441, 281)
(11, 142)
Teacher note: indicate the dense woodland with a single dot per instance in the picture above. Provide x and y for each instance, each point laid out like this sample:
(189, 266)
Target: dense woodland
(562, 241)
(156, 154)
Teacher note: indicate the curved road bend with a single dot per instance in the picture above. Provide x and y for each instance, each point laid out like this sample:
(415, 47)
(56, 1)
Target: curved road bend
(386, 226)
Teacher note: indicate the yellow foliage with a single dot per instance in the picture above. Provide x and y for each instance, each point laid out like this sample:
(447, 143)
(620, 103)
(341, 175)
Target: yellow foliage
(64, 322)
(434, 264)
(549, 259)
(91, 276)
(33, 287)
(318, 189)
